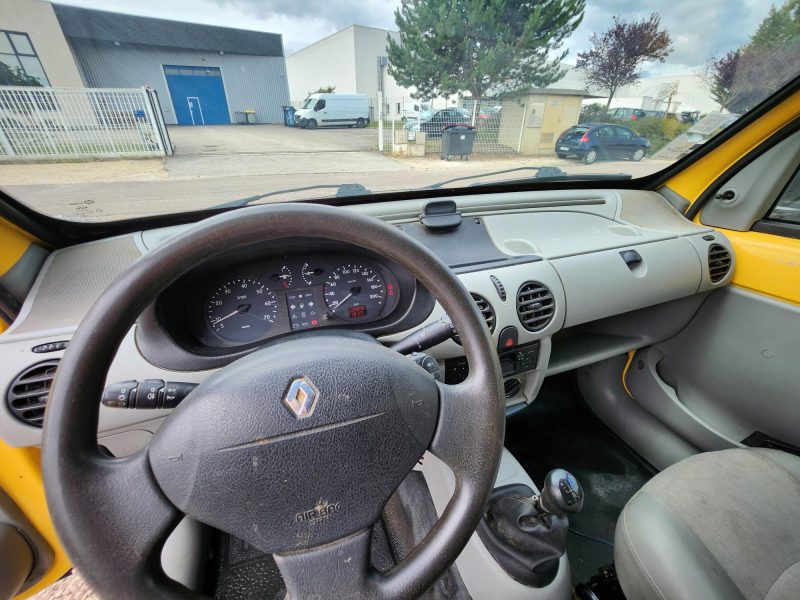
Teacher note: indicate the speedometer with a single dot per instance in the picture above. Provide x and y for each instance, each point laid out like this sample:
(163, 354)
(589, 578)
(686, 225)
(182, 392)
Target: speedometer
(242, 310)
(354, 292)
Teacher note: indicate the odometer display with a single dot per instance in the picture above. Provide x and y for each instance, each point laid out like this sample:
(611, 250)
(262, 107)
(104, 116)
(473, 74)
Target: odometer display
(354, 292)
(242, 310)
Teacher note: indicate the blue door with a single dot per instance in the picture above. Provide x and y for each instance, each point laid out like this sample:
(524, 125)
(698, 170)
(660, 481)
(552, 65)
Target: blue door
(198, 96)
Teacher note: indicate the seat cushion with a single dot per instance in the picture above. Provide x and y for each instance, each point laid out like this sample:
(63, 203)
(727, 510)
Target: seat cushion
(717, 525)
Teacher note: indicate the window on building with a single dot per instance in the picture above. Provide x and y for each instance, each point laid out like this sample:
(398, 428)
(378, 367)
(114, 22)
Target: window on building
(19, 60)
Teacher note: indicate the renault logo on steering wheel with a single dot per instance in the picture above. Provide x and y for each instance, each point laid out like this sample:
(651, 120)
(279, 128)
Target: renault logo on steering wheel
(302, 397)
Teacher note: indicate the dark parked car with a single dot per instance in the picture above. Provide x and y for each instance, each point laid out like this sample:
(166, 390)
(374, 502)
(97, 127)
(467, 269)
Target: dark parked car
(601, 140)
(437, 121)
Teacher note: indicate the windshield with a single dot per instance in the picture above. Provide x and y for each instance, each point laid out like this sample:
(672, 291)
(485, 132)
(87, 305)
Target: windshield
(108, 115)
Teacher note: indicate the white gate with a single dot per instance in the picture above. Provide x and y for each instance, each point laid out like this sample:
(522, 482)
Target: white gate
(67, 123)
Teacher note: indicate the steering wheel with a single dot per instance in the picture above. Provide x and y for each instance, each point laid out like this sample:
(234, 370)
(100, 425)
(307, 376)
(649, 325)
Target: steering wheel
(294, 448)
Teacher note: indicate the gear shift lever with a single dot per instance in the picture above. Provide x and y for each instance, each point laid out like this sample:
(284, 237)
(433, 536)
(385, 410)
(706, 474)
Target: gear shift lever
(562, 495)
(527, 534)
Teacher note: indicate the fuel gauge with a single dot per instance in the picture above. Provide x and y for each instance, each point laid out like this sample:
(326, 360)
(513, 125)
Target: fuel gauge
(314, 273)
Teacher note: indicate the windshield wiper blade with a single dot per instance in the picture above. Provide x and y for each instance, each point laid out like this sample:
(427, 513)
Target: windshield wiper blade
(550, 172)
(542, 173)
(564, 177)
(342, 190)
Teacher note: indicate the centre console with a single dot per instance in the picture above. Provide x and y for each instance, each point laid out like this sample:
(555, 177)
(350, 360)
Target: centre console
(483, 575)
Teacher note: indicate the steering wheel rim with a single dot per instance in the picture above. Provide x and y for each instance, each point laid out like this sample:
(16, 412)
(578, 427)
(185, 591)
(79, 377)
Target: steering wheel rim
(112, 514)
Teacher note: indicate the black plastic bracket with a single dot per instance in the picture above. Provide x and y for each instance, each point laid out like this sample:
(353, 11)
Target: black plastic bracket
(440, 214)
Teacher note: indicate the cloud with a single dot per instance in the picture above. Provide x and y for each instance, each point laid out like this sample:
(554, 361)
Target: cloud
(699, 30)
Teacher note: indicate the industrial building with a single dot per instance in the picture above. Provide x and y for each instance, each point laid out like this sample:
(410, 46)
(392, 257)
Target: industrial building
(354, 60)
(203, 74)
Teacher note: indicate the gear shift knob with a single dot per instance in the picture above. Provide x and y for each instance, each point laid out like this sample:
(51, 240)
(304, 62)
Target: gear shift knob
(561, 493)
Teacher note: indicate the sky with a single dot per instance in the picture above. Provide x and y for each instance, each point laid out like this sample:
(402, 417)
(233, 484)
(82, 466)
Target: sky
(698, 33)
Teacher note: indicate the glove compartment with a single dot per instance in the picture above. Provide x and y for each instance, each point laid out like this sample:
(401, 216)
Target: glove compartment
(610, 282)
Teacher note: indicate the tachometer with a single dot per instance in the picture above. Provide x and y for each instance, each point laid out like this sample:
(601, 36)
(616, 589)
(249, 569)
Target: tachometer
(354, 292)
(242, 310)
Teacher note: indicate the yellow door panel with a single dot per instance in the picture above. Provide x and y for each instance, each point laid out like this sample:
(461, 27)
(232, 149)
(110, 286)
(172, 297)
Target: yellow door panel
(21, 479)
(767, 264)
(13, 244)
(695, 178)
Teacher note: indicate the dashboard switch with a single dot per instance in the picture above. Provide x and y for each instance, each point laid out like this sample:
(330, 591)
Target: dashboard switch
(149, 392)
(120, 395)
(428, 363)
(175, 392)
(509, 336)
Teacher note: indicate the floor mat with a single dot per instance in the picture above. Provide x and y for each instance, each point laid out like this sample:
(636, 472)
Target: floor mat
(558, 430)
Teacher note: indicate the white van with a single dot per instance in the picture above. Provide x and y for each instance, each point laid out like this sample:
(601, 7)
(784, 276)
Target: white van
(414, 110)
(321, 110)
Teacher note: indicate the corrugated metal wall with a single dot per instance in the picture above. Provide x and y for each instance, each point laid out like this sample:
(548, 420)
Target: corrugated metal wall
(257, 82)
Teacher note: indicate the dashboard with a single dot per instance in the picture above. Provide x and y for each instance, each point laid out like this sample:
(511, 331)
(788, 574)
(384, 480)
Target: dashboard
(563, 278)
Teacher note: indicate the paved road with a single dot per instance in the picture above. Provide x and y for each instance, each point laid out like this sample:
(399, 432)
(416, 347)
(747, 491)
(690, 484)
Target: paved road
(213, 165)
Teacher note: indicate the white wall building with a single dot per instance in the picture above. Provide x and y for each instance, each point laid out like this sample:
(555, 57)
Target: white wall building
(651, 93)
(347, 59)
(31, 39)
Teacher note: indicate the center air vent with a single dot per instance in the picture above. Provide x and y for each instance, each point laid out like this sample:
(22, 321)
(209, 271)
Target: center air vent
(486, 310)
(535, 306)
(27, 395)
(719, 262)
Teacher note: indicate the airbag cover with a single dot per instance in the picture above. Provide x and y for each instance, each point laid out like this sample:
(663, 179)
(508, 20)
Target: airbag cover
(253, 452)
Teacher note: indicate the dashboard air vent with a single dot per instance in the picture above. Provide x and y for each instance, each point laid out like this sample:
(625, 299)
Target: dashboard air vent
(719, 262)
(535, 306)
(28, 393)
(486, 310)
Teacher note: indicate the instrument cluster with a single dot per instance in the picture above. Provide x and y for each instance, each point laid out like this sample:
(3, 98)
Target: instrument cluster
(274, 297)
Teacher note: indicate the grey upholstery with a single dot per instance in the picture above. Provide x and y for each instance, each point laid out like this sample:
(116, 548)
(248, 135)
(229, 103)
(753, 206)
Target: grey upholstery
(718, 525)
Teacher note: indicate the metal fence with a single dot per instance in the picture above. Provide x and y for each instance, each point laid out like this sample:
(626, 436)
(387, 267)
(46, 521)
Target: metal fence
(62, 123)
(498, 123)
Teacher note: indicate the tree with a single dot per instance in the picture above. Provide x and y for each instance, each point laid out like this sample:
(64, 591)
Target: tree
(480, 46)
(779, 28)
(721, 78)
(17, 76)
(667, 92)
(616, 57)
(326, 89)
(744, 77)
